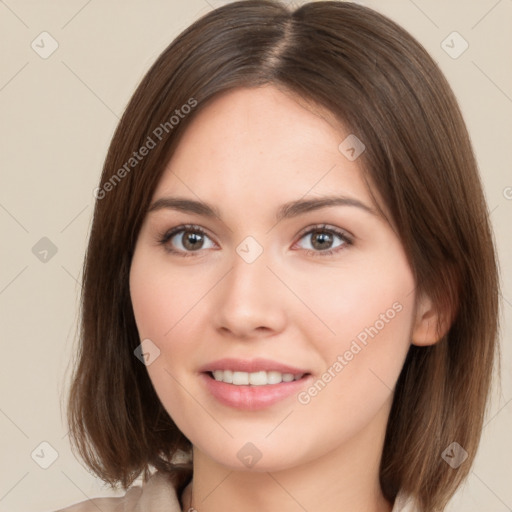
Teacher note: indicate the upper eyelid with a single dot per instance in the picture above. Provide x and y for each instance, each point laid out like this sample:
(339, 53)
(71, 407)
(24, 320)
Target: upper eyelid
(326, 227)
(172, 232)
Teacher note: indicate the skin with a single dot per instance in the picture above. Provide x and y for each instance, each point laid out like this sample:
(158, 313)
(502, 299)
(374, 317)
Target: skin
(247, 153)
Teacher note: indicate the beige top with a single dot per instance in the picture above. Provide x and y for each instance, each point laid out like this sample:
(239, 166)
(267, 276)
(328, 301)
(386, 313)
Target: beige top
(158, 494)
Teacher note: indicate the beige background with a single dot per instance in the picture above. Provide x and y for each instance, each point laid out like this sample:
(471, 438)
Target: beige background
(58, 115)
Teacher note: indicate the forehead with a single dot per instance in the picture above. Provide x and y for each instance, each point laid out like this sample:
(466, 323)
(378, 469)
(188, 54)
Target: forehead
(265, 119)
(261, 143)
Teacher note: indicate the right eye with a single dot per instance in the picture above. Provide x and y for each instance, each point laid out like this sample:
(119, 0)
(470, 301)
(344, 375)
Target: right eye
(185, 240)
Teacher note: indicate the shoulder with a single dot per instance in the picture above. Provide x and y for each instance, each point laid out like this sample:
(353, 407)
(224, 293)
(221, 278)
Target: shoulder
(93, 505)
(158, 492)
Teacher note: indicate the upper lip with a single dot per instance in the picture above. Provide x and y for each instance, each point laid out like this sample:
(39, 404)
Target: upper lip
(250, 366)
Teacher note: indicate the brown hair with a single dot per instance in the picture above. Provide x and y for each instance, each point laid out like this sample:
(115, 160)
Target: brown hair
(381, 83)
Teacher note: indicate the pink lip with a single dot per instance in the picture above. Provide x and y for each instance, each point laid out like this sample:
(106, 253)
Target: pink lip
(250, 366)
(251, 398)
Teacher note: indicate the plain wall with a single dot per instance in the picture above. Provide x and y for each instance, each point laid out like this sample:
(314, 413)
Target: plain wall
(57, 117)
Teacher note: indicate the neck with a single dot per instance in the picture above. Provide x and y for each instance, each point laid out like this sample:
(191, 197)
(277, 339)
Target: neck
(344, 479)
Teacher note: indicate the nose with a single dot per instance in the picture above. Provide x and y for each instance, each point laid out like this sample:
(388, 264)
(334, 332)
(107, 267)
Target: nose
(250, 300)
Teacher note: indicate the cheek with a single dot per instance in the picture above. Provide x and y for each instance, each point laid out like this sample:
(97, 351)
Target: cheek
(160, 303)
(370, 311)
(162, 299)
(370, 296)
(168, 310)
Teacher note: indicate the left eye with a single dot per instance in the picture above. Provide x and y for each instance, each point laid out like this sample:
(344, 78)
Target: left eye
(324, 240)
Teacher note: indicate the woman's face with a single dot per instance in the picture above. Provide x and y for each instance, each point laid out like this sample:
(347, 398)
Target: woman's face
(244, 272)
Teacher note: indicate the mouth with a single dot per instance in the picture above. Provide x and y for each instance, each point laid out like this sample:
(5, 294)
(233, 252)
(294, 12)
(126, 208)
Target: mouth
(252, 385)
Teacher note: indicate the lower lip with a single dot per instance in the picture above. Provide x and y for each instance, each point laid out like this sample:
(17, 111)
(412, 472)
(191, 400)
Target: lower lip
(252, 398)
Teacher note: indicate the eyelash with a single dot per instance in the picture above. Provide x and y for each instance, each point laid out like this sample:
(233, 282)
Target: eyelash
(163, 238)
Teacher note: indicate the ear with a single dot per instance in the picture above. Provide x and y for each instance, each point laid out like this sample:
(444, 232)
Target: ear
(429, 325)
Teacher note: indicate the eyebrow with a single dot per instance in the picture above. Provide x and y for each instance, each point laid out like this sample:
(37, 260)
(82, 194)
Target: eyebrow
(286, 211)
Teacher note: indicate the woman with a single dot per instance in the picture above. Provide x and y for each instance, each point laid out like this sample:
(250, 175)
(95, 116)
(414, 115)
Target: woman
(290, 291)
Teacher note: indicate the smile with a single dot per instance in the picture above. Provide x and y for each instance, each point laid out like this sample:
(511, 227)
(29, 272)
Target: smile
(252, 385)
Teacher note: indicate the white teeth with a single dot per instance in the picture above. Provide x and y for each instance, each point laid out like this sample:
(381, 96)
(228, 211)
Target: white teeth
(240, 378)
(258, 378)
(261, 378)
(274, 377)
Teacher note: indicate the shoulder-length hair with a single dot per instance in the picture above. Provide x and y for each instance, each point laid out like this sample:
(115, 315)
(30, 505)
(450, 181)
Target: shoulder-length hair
(380, 82)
